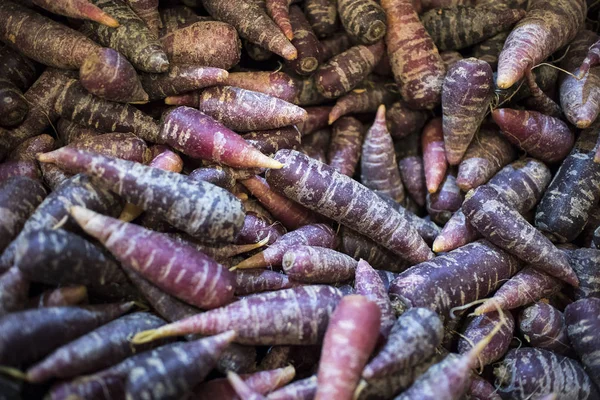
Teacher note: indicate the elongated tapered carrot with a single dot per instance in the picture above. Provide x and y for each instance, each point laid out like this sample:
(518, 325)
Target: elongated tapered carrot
(277, 84)
(322, 189)
(368, 283)
(147, 10)
(442, 204)
(361, 247)
(279, 11)
(306, 43)
(592, 59)
(345, 145)
(434, 155)
(311, 264)
(29, 149)
(195, 207)
(272, 140)
(322, 15)
(81, 9)
(365, 98)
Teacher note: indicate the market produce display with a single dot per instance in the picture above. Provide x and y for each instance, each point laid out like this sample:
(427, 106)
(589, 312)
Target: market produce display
(299, 199)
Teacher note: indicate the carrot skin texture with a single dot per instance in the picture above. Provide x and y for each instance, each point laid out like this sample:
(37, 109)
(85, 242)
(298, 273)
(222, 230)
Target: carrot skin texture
(416, 63)
(256, 229)
(272, 140)
(19, 197)
(196, 208)
(413, 339)
(402, 121)
(316, 145)
(458, 27)
(125, 146)
(584, 262)
(544, 137)
(456, 233)
(69, 132)
(60, 297)
(487, 211)
(543, 326)
(11, 169)
(94, 351)
(367, 97)
(44, 40)
(529, 371)
(275, 84)
(81, 9)
(279, 12)
(308, 93)
(304, 389)
(581, 318)
(132, 38)
(322, 16)
(467, 92)
(107, 74)
(178, 17)
(13, 107)
(350, 338)
(434, 155)
(310, 264)
(336, 44)
(204, 43)
(444, 288)
(306, 43)
(252, 24)
(256, 281)
(28, 150)
(369, 283)
(50, 328)
(14, 291)
(478, 327)
(482, 389)
(345, 146)
(321, 179)
(296, 316)
(490, 49)
(17, 69)
(147, 10)
(548, 24)
(573, 193)
(379, 169)
(592, 58)
(412, 174)
(229, 105)
(442, 204)
(363, 20)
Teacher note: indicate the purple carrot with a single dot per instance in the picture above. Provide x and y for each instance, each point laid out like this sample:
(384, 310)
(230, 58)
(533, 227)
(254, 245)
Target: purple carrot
(363, 21)
(490, 49)
(81, 9)
(13, 108)
(434, 156)
(411, 168)
(296, 316)
(304, 389)
(479, 327)
(310, 264)
(60, 297)
(257, 229)
(346, 145)
(403, 121)
(126, 146)
(363, 99)
(147, 10)
(361, 247)
(276, 84)
(272, 140)
(413, 338)
(242, 389)
(306, 43)
(28, 150)
(448, 198)
(582, 322)
(323, 17)
(585, 262)
(69, 132)
(13, 169)
(482, 389)
(368, 283)
(180, 79)
(256, 281)
(316, 119)
(14, 291)
(543, 326)
(334, 45)
(177, 17)
(316, 145)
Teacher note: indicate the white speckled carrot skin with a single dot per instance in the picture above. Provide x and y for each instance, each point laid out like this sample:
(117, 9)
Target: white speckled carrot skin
(306, 43)
(277, 84)
(369, 283)
(585, 263)
(479, 327)
(582, 322)
(323, 16)
(434, 156)
(318, 265)
(592, 59)
(303, 389)
(363, 20)
(345, 146)
(260, 280)
(543, 326)
(181, 79)
(14, 291)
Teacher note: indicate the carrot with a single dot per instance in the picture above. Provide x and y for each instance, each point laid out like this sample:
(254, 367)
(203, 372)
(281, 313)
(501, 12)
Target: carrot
(131, 38)
(527, 372)
(308, 92)
(345, 71)
(543, 326)
(369, 283)
(323, 17)
(253, 24)
(26, 168)
(583, 262)
(350, 338)
(360, 247)
(489, 50)
(16, 68)
(53, 176)
(345, 146)
(256, 281)
(365, 98)
(411, 167)
(147, 10)
(15, 288)
(279, 11)
(69, 132)
(363, 20)
(429, 4)
(317, 118)
(242, 389)
(592, 58)
(467, 94)
(446, 286)
(13, 107)
(50, 328)
(125, 146)
(479, 327)
(310, 264)
(482, 389)
(19, 197)
(581, 318)
(456, 232)
(178, 17)
(305, 41)
(340, 198)
(60, 297)
(272, 140)
(458, 27)
(28, 150)
(442, 204)
(316, 145)
(275, 84)
(417, 66)
(203, 43)
(296, 316)
(573, 193)
(336, 44)
(320, 235)
(486, 155)
(552, 23)
(194, 207)
(81, 9)
(540, 101)
(303, 389)
(434, 155)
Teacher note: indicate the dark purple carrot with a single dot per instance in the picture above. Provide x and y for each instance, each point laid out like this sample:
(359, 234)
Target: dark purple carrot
(442, 204)
(361, 247)
(445, 285)
(295, 316)
(592, 58)
(246, 110)
(378, 168)
(305, 42)
(386, 278)
(60, 297)
(367, 97)
(573, 193)
(107, 74)
(30, 335)
(466, 96)
(147, 10)
(414, 338)
(204, 43)
(546, 138)
(553, 24)
(53, 176)
(434, 155)
(450, 57)
(543, 326)
(488, 153)
(363, 20)
(346, 145)
(500, 223)
(271, 141)
(322, 15)
(482, 389)
(16, 68)
(316, 119)
(195, 207)
(19, 197)
(173, 266)
(291, 215)
(456, 232)
(528, 372)
(279, 12)
(252, 24)
(177, 17)
(582, 322)
(342, 199)
(540, 101)
(256, 281)
(304, 389)
(316, 145)
(411, 167)
(131, 38)
(257, 229)
(308, 94)
(585, 262)
(335, 45)
(369, 283)
(310, 264)
(27, 169)
(69, 132)
(402, 121)
(99, 349)
(126, 146)
(345, 71)
(479, 327)
(275, 84)
(28, 150)
(13, 106)
(14, 290)
(350, 338)
(320, 235)
(490, 49)
(81, 9)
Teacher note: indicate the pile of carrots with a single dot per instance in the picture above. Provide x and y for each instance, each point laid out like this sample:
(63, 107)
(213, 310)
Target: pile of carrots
(298, 200)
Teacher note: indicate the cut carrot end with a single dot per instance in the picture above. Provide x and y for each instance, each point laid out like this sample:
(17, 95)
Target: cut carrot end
(49, 157)
(290, 55)
(256, 261)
